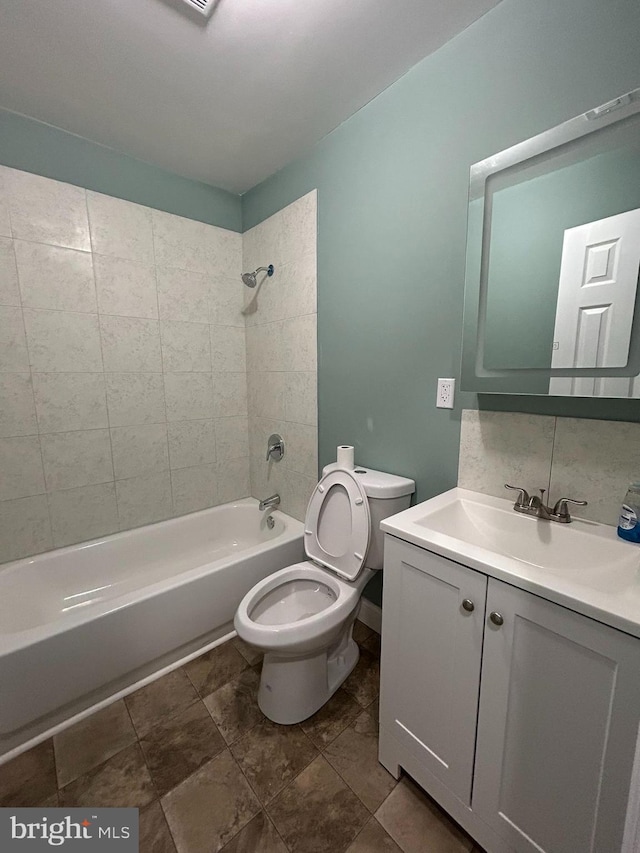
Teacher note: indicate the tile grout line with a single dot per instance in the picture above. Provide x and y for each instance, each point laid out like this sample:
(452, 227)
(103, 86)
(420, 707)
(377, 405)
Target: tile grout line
(106, 405)
(553, 450)
(33, 395)
(264, 807)
(164, 389)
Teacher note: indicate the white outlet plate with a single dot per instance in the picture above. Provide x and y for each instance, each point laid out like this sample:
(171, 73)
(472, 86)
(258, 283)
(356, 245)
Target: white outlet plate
(446, 393)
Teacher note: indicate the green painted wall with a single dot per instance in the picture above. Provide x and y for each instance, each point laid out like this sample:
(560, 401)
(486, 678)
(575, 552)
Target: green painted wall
(36, 147)
(392, 207)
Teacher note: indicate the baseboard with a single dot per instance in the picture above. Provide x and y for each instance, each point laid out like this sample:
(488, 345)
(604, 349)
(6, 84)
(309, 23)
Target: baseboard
(371, 615)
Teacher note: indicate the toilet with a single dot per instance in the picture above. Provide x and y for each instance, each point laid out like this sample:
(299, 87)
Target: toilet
(302, 616)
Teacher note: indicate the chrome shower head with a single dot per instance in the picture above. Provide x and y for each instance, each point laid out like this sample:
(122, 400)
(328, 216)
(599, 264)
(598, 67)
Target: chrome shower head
(249, 278)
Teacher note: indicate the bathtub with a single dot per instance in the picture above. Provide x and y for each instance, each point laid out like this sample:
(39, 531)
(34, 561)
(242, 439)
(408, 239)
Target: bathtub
(83, 625)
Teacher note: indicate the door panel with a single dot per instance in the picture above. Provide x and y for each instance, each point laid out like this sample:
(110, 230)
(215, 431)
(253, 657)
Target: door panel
(596, 295)
(431, 655)
(558, 718)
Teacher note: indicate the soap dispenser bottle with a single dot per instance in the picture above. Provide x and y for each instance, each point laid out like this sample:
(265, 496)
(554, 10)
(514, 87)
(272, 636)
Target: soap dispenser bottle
(629, 521)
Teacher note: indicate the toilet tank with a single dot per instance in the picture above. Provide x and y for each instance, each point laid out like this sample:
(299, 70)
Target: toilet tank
(388, 494)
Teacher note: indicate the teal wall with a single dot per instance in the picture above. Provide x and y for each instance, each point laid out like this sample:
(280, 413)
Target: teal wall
(36, 147)
(392, 207)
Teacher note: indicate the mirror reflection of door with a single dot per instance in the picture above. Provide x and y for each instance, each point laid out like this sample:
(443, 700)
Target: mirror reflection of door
(596, 299)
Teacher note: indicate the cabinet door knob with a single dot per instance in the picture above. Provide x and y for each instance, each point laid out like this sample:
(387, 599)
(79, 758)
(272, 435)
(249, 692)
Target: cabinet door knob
(496, 618)
(468, 605)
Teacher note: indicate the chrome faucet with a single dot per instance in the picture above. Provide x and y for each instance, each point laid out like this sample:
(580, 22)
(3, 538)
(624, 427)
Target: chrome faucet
(535, 505)
(272, 502)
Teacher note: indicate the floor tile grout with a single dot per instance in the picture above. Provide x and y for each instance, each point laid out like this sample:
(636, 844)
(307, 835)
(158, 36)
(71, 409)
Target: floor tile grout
(319, 746)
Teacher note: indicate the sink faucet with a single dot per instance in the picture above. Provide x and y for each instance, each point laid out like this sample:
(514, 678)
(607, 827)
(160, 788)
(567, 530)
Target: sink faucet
(535, 505)
(272, 502)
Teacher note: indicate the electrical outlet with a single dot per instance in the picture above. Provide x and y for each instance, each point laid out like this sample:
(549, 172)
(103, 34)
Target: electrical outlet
(446, 392)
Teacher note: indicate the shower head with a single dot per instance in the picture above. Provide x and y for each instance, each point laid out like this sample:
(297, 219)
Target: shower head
(249, 278)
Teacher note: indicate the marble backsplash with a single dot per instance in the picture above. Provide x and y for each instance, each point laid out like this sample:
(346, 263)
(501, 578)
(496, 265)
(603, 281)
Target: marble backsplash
(578, 458)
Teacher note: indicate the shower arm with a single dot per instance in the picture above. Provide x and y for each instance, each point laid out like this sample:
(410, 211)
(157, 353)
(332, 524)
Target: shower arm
(249, 308)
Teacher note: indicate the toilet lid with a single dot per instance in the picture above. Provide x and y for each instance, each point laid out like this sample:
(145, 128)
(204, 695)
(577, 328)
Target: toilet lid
(337, 524)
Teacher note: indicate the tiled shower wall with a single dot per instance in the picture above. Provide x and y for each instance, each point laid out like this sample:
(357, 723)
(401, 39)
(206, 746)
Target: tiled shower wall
(584, 459)
(122, 365)
(281, 354)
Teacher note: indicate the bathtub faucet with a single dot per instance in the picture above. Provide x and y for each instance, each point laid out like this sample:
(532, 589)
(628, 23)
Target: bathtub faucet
(272, 502)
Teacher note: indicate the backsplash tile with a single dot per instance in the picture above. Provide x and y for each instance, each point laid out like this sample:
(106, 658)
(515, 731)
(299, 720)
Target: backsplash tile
(595, 461)
(583, 459)
(504, 447)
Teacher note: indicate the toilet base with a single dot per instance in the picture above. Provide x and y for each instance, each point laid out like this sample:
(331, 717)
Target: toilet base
(294, 688)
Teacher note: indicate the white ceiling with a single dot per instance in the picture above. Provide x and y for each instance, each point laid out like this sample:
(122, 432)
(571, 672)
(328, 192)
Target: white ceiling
(229, 102)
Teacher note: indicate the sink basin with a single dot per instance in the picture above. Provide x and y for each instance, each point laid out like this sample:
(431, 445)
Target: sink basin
(486, 531)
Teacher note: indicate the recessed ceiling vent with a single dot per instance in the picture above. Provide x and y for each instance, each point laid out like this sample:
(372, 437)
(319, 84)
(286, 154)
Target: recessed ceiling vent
(204, 7)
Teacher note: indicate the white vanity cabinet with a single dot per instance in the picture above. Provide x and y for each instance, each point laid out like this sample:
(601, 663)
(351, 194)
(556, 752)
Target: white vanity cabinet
(519, 716)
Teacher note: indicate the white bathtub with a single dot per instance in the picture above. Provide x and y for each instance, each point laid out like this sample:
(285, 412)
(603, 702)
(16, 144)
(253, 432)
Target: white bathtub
(83, 624)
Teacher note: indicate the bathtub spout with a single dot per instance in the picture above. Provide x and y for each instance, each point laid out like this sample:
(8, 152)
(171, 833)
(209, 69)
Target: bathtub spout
(272, 502)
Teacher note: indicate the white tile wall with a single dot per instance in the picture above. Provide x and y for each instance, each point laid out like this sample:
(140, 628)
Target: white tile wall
(584, 459)
(281, 347)
(123, 394)
(124, 358)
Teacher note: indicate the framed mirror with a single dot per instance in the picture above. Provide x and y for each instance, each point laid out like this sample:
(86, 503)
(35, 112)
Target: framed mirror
(552, 302)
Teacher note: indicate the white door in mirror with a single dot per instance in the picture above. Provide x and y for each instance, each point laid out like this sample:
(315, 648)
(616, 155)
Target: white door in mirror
(446, 391)
(596, 300)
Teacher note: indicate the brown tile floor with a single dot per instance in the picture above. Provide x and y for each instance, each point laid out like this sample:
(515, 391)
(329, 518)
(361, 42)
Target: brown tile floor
(209, 772)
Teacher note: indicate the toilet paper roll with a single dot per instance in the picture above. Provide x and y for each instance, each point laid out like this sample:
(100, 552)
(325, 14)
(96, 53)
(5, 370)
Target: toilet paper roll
(345, 456)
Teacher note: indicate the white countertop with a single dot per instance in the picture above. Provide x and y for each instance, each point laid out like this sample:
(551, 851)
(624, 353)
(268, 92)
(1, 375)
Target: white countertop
(584, 566)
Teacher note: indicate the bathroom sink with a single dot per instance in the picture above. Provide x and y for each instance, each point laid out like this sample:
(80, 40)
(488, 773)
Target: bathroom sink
(484, 531)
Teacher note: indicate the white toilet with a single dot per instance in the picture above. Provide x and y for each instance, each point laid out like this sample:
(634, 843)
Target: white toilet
(302, 616)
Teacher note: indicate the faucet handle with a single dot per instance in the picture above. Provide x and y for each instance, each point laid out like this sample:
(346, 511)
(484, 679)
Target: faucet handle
(561, 510)
(523, 498)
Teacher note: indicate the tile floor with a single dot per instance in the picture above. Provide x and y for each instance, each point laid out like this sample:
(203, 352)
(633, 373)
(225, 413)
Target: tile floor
(209, 772)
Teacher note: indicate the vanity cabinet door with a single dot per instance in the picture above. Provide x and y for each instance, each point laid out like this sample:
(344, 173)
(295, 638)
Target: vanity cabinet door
(431, 655)
(557, 728)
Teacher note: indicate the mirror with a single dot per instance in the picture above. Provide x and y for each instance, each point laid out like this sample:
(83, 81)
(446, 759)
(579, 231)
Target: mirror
(552, 303)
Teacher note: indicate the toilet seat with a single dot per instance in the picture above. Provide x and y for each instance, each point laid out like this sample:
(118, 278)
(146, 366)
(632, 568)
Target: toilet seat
(309, 629)
(337, 526)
